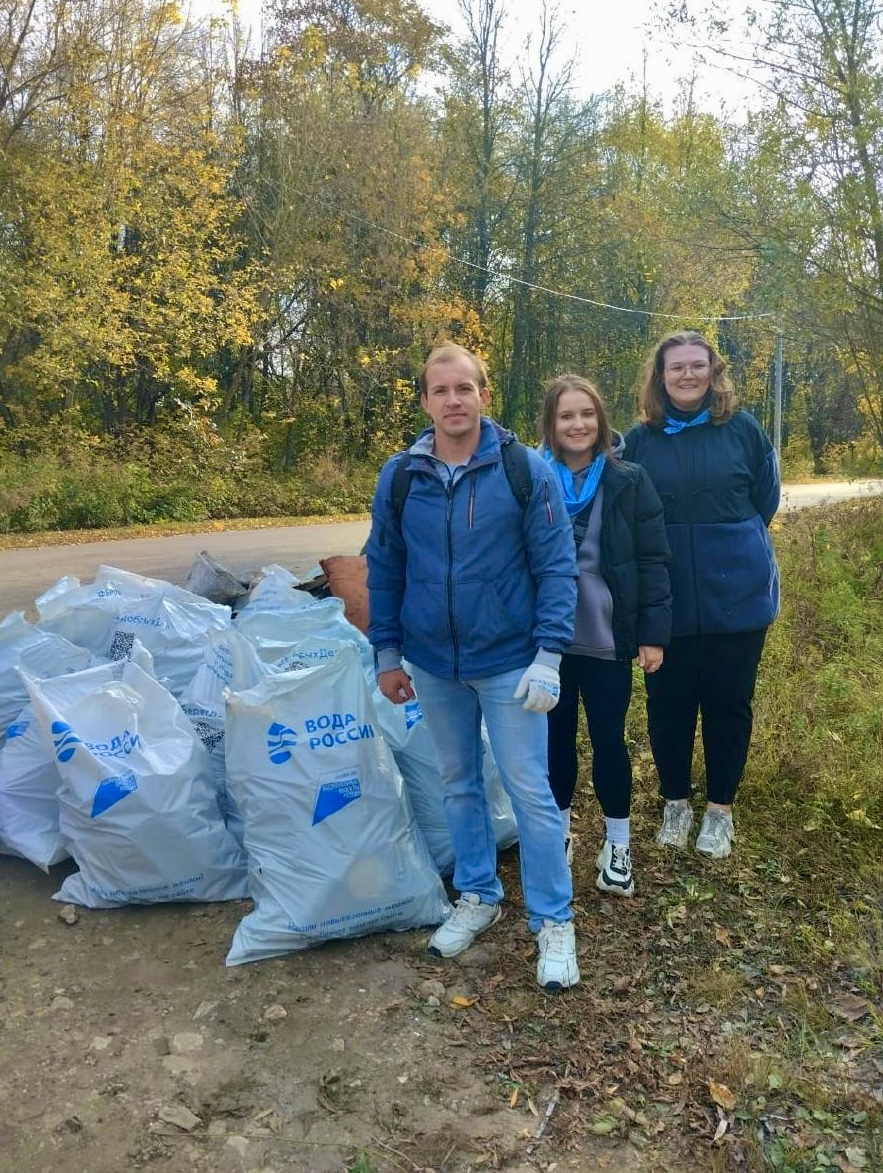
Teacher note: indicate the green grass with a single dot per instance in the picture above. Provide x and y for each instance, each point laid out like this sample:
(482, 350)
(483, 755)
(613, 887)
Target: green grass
(762, 973)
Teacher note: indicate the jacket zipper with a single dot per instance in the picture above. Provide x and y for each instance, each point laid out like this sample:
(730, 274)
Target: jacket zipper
(455, 643)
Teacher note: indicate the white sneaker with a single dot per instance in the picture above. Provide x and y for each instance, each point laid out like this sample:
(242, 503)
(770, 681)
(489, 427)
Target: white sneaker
(557, 967)
(615, 869)
(469, 918)
(677, 821)
(716, 834)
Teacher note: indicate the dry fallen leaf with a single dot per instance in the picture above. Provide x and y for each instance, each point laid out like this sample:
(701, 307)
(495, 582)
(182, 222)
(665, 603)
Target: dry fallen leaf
(852, 1007)
(462, 1002)
(722, 937)
(722, 1095)
(722, 1127)
(513, 1099)
(675, 1079)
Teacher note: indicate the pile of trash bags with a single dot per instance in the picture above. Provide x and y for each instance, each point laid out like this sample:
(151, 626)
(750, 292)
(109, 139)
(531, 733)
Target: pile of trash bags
(222, 742)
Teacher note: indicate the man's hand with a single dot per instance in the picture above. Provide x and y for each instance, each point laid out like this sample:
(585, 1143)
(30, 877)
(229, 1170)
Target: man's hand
(396, 686)
(542, 687)
(649, 658)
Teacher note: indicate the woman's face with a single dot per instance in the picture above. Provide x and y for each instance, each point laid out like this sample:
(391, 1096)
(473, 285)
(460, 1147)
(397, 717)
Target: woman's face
(687, 375)
(576, 428)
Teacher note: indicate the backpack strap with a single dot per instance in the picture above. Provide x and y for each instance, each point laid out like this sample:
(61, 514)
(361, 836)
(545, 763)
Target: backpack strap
(516, 466)
(401, 484)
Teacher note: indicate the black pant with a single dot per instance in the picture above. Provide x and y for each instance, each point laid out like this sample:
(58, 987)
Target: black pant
(605, 687)
(713, 675)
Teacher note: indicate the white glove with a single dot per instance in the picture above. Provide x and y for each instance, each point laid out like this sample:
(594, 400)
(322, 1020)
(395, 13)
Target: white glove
(542, 687)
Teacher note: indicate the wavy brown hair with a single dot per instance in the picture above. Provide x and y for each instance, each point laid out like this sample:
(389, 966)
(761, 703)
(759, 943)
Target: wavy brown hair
(554, 390)
(651, 389)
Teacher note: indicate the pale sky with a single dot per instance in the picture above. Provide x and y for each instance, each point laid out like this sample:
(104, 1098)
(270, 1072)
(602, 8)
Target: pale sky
(608, 38)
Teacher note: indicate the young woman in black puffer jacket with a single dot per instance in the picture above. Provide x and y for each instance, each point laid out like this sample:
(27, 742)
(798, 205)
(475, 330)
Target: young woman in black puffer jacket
(623, 609)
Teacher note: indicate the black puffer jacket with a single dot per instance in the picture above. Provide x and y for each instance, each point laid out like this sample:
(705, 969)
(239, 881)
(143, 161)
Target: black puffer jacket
(634, 558)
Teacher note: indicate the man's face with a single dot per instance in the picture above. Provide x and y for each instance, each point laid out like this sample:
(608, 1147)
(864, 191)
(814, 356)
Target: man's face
(453, 399)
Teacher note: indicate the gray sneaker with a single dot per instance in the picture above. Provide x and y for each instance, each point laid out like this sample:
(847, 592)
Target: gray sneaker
(469, 918)
(677, 821)
(716, 834)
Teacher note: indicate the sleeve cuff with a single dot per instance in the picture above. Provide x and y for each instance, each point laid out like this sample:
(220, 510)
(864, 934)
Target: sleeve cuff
(550, 659)
(388, 660)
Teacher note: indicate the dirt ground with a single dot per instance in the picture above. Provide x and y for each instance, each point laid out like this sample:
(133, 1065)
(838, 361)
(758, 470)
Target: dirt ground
(127, 1044)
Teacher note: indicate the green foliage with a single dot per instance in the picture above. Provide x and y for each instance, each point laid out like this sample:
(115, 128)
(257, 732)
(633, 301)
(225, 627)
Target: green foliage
(819, 713)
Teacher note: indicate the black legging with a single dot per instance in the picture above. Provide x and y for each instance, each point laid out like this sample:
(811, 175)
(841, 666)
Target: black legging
(605, 687)
(713, 675)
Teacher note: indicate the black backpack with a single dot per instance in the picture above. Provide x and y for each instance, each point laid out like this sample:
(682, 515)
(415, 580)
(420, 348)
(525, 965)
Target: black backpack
(515, 465)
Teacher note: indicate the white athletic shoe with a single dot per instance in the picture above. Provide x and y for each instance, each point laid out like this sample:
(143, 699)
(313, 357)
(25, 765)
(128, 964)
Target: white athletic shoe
(677, 822)
(716, 834)
(615, 869)
(557, 967)
(469, 918)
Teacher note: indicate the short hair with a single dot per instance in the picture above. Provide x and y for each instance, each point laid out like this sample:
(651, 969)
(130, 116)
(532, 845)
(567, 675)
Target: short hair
(445, 352)
(651, 389)
(554, 390)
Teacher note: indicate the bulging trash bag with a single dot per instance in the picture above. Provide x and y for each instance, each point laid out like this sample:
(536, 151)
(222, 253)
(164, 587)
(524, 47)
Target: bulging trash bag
(107, 617)
(275, 635)
(229, 661)
(405, 731)
(36, 652)
(332, 844)
(138, 808)
(29, 780)
(275, 590)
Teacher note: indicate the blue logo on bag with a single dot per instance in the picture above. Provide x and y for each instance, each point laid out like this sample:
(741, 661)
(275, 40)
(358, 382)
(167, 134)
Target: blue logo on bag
(64, 740)
(18, 729)
(334, 796)
(413, 714)
(280, 742)
(111, 791)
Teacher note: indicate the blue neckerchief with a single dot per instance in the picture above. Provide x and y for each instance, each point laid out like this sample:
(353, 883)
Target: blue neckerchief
(673, 426)
(573, 501)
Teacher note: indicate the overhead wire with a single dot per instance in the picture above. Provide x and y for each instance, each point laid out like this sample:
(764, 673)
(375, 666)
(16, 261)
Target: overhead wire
(579, 298)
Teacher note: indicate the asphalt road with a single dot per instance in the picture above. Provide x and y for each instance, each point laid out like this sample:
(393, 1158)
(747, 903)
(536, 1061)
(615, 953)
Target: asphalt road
(26, 573)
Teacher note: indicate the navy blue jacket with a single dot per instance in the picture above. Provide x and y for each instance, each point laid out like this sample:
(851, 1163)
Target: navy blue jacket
(633, 559)
(719, 487)
(467, 583)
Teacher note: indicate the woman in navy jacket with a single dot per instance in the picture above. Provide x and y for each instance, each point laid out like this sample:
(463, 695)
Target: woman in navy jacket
(623, 608)
(718, 477)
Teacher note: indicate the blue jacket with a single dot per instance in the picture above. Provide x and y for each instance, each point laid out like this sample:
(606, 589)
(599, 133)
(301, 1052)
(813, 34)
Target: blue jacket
(467, 583)
(719, 487)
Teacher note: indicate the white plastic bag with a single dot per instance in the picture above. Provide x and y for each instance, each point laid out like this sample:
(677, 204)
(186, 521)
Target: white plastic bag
(407, 734)
(138, 808)
(108, 615)
(229, 661)
(36, 652)
(276, 590)
(332, 844)
(29, 782)
(276, 634)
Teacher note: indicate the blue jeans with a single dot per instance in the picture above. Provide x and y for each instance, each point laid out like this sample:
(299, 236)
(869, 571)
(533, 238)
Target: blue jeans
(453, 710)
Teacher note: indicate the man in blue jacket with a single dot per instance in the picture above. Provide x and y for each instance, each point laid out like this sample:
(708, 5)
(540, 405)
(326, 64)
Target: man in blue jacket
(476, 589)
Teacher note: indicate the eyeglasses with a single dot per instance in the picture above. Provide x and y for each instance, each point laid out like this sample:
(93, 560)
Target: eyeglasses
(678, 369)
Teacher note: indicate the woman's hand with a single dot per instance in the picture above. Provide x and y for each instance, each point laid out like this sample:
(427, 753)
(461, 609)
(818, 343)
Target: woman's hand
(649, 658)
(396, 686)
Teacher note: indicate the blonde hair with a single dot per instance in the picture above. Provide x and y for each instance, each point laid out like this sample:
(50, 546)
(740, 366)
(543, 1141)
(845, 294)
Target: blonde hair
(447, 351)
(651, 389)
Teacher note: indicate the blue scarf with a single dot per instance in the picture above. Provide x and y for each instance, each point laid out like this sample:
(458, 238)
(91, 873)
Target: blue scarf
(673, 426)
(575, 501)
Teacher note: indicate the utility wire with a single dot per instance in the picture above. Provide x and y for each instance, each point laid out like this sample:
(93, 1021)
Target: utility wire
(604, 305)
